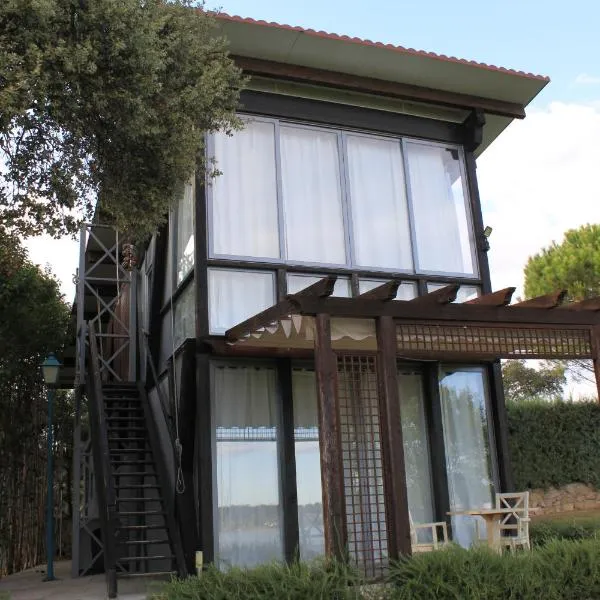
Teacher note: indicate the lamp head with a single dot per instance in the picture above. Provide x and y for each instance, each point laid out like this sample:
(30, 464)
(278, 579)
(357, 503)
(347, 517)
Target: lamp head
(50, 369)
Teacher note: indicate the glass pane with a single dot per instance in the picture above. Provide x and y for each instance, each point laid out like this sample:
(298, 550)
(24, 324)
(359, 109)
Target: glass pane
(248, 503)
(308, 464)
(440, 212)
(234, 296)
(416, 448)
(465, 292)
(378, 200)
(244, 196)
(468, 455)
(296, 283)
(185, 315)
(312, 200)
(185, 232)
(406, 291)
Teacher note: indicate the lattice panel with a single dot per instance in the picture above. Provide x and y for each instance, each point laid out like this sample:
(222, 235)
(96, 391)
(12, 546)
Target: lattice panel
(498, 342)
(362, 463)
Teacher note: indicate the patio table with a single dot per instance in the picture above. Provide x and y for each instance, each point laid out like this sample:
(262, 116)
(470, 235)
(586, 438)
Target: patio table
(492, 517)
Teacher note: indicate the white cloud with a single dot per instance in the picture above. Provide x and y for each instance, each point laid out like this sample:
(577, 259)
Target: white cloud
(585, 79)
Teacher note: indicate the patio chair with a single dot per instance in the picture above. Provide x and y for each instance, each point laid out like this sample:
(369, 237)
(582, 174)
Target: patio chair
(514, 527)
(433, 528)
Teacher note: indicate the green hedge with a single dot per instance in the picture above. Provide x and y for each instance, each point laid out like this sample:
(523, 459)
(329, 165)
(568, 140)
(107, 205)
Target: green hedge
(541, 531)
(553, 444)
(559, 570)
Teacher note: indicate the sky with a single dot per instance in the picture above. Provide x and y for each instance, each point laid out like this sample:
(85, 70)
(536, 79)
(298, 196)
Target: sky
(539, 178)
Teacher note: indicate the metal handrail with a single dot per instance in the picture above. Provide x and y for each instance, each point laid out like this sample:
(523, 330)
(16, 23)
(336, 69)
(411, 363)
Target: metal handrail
(107, 504)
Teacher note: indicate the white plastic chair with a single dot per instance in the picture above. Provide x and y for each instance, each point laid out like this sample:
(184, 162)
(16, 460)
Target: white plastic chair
(433, 528)
(514, 527)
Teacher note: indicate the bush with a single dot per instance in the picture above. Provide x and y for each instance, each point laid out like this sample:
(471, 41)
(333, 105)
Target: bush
(543, 531)
(560, 570)
(553, 444)
(302, 581)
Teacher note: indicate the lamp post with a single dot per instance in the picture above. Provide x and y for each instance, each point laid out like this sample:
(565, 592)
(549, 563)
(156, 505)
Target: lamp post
(50, 369)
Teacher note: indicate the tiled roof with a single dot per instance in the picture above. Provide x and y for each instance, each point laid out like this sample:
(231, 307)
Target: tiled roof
(399, 49)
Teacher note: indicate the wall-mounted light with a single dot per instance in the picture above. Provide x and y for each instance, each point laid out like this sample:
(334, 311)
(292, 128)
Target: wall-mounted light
(485, 244)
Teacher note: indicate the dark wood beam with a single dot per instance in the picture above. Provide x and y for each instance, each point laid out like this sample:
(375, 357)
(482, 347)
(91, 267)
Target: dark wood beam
(384, 292)
(547, 301)
(394, 469)
(332, 473)
(444, 295)
(320, 289)
(369, 85)
(499, 298)
(588, 304)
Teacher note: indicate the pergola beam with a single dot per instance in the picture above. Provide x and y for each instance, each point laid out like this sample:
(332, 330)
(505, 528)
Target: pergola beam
(499, 298)
(385, 292)
(547, 301)
(444, 295)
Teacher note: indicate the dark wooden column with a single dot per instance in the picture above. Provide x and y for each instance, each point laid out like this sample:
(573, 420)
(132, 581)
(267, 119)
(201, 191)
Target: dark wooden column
(396, 494)
(332, 473)
(595, 335)
(287, 462)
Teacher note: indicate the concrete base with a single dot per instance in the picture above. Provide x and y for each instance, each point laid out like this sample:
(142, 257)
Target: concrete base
(30, 585)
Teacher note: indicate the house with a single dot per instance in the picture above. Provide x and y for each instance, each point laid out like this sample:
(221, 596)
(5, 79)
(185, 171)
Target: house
(306, 359)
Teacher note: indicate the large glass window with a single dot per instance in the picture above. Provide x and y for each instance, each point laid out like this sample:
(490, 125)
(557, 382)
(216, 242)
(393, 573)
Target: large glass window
(406, 290)
(234, 296)
(465, 292)
(312, 199)
(442, 229)
(308, 464)
(244, 197)
(185, 232)
(298, 282)
(467, 441)
(304, 194)
(378, 200)
(248, 515)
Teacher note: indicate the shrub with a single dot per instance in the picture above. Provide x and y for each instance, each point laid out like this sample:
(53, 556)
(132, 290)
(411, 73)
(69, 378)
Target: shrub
(553, 444)
(560, 570)
(542, 531)
(326, 581)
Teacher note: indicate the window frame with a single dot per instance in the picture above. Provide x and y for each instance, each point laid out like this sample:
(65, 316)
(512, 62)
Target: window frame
(348, 234)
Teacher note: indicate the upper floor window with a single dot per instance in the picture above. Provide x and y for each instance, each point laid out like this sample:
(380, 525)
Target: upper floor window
(291, 193)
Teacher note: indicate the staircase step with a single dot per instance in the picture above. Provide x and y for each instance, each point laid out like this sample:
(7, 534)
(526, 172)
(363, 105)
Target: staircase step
(145, 542)
(119, 463)
(140, 486)
(136, 558)
(131, 418)
(157, 499)
(140, 527)
(136, 473)
(127, 439)
(137, 513)
(113, 451)
(120, 429)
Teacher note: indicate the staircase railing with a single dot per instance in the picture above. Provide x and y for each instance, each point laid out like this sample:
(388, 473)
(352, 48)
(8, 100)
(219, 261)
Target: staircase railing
(105, 492)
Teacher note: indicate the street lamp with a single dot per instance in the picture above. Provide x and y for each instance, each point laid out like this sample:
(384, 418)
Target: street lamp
(50, 369)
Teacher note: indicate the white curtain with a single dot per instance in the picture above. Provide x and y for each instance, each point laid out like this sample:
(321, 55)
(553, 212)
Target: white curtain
(468, 462)
(441, 226)
(308, 464)
(234, 296)
(248, 503)
(244, 196)
(185, 231)
(378, 200)
(310, 176)
(416, 447)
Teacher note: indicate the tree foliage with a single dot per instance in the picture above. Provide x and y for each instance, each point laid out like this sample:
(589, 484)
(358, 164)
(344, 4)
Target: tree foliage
(572, 265)
(526, 383)
(106, 100)
(33, 320)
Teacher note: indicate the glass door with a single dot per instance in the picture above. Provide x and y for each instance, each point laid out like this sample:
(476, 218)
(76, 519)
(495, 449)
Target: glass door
(467, 439)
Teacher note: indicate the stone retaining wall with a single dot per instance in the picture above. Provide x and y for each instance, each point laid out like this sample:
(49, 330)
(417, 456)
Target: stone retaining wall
(571, 497)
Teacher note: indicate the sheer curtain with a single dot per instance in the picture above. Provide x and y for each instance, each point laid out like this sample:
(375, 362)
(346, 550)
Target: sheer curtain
(234, 296)
(438, 202)
(468, 457)
(310, 175)
(308, 464)
(244, 196)
(378, 201)
(248, 524)
(416, 447)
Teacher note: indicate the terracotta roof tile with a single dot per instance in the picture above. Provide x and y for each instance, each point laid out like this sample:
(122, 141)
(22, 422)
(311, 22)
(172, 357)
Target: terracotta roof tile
(399, 49)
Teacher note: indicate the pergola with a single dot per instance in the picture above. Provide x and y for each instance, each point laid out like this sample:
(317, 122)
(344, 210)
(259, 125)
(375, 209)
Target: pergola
(375, 331)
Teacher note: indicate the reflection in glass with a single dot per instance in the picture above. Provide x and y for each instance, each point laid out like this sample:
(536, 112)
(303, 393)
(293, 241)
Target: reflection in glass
(185, 232)
(184, 318)
(465, 292)
(440, 212)
(247, 479)
(308, 464)
(468, 456)
(416, 447)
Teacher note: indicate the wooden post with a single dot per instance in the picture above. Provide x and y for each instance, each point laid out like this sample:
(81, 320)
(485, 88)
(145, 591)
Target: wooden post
(396, 495)
(332, 474)
(595, 338)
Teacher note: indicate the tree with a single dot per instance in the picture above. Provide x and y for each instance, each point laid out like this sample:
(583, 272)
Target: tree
(107, 101)
(526, 383)
(574, 266)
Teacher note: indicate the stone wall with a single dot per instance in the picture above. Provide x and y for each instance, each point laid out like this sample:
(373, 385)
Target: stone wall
(571, 497)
